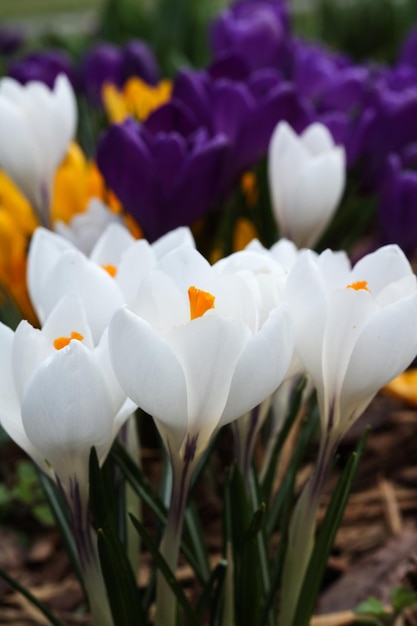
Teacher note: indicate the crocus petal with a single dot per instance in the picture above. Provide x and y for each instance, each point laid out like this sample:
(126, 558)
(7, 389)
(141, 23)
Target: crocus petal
(67, 317)
(45, 249)
(151, 376)
(98, 291)
(317, 139)
(108, 250)
(384, 266)
(391, 338)
(10, 416)
(66, 410)
(316, 196)
(30, 349)
(208, 349)
(264, 362)
(305, 284)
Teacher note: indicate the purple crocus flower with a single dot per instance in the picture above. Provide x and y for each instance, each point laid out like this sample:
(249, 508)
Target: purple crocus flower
(10, 40)
(43, 66)
(397, 207)
(244, 112)
(408, 52)
(105, 62)
(166, 172)
(257, 31)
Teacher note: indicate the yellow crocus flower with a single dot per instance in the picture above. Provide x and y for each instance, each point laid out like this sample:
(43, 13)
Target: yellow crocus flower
(137, 99)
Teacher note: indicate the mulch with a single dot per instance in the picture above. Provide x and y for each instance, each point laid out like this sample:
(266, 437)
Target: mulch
(375, 548)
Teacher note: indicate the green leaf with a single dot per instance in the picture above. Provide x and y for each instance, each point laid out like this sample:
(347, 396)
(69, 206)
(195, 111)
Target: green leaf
(269, 478)
(401, 598)
(371, 606)
(136, 478)
(122, 591)
(59, 511)
(280, 513)
(166, 571)
(211, 592)
(324, 542)
(26, 593)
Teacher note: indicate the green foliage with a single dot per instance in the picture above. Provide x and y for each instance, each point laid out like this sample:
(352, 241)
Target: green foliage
(365, 29)
(373, 611)
(26, 493)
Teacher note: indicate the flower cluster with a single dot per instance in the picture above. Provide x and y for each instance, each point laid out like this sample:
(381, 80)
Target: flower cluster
(175, 263)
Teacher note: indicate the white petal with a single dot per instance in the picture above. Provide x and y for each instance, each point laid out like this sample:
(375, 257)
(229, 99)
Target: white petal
(262, 366)
(30, 349)
(20, 155)
(386, 265)
(187, 267)
(208, 349)
(10, 414)
(100, 295)
(385, 348)
(156, 290)
(66, 410)
(136, 263)
(44, 251)
(65, 108)
(115, 240)
(174, 239)
(306, 295)
(316, 197)
(317, 139)
(148, 370)
(66, 317)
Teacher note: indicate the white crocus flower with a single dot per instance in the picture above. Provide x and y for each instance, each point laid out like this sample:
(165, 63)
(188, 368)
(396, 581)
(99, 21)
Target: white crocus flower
(36, 127)
(192, 353)
(256, 264)
(59, 398)
(306, 180)
(355, 327)
(86, 228)
(355, 330)
(105, 280)
(58, 394)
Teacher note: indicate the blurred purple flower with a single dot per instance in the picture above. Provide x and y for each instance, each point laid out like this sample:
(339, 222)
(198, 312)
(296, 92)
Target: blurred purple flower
(166, 172)
(44, 66)
(11, 40)
(408, 52)
(105, 62)
(256, 30)
(397, 206)
(244, 112)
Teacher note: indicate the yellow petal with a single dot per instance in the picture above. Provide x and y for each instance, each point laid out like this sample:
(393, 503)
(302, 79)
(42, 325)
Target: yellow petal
(404, 387)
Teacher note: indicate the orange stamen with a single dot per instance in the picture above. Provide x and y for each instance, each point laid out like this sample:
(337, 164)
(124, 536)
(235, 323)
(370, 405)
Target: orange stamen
(200, 302)
(61, 342)
(360, 284)
(110, 269)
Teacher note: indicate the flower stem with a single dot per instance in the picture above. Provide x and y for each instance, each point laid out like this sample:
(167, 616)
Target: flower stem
(170, 544)
(301, 535)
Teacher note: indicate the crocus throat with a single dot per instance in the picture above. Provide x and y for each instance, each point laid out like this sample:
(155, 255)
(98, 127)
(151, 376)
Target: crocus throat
(110, 269)
(360, 284)
(200, 302)
(61, 342)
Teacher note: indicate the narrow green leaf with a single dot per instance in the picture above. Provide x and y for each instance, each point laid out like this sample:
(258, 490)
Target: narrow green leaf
(166, 571)
(371, 606)
(136, 478)
(121, 588)
(269, 478)
(280, 513)
(59, 511)
(195, 538)
(122, 592)
(324, 542)
(211, 590)
(26, 593)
